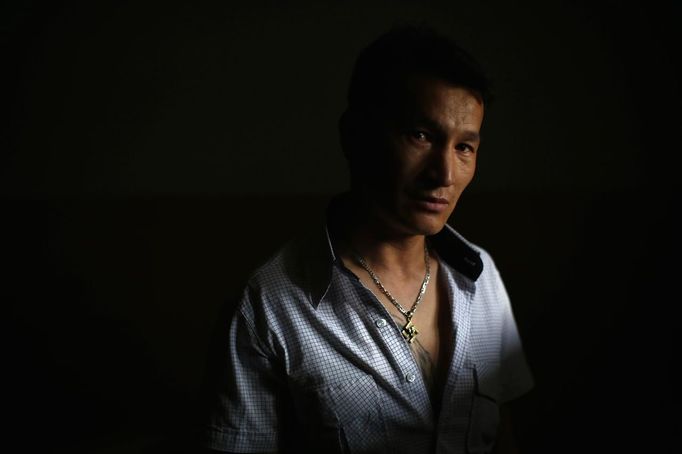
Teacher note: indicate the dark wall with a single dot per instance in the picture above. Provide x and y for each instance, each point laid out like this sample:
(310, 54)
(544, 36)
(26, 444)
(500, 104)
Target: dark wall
(219, 98)
(153, 155)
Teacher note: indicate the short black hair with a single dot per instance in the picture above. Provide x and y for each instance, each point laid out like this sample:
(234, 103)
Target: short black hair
(410, 50)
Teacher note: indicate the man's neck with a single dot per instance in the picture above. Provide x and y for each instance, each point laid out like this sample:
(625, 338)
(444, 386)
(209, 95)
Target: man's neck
(386, 250)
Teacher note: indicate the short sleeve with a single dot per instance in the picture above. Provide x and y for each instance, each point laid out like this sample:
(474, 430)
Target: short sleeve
(242, 396)
(516, 378)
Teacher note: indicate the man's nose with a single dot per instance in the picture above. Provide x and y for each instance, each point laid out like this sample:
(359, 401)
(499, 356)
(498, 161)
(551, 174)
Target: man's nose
(442, 166)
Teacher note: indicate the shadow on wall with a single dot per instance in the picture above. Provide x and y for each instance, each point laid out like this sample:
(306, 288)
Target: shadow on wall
(113, 301)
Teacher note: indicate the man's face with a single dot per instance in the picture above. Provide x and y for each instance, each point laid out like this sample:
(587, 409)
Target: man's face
(426, 156)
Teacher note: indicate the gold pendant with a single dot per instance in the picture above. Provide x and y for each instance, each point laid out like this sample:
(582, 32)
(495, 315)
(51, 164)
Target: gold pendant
(409, 331)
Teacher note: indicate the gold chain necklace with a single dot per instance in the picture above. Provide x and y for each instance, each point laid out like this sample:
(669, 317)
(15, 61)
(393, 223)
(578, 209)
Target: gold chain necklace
(409, 331)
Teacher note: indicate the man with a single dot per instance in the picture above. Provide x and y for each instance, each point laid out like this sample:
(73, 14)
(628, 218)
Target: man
(383, 330)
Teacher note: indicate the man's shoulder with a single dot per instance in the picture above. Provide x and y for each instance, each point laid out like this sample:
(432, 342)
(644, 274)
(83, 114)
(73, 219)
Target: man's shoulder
(281, 266)
(490, 295)
(487, 260)
(281, 291)
(291, 268)
(464, 256)
(490, 273)
(471, 260)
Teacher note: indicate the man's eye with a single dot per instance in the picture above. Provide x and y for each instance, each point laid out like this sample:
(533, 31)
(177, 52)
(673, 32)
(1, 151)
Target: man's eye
(420, 136)
(465, 147)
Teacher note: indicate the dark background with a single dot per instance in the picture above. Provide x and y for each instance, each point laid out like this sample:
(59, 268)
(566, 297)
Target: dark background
(153, 154)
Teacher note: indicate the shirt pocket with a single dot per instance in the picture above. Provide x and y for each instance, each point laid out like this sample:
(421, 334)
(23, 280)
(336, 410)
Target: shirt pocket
(346, 415)
(358, 410)
(485, 413)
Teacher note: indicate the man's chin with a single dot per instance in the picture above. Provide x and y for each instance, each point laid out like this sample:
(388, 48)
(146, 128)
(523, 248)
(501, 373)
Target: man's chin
(416, 223)
(433, 231)
(428, 226)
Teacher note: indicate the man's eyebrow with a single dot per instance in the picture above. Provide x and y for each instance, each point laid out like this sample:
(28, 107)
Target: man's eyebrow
(426, 121)
(471, 136)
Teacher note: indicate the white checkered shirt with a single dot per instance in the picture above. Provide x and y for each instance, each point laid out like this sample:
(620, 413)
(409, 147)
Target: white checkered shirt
(314, 362)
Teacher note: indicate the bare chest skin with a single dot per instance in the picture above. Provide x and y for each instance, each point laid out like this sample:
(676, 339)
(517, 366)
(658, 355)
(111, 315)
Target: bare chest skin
(432, 347)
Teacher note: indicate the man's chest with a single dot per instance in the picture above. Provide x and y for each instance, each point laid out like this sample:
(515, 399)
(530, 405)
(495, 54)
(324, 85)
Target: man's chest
(430, 335)
(356, 330)
(351, 361)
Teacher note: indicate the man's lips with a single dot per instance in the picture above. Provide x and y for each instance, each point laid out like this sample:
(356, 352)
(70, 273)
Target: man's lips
(435, 199)
(431, 203)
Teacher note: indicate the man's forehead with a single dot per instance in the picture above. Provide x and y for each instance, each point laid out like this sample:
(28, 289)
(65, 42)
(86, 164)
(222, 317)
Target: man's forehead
(429, 99)
(420, 85)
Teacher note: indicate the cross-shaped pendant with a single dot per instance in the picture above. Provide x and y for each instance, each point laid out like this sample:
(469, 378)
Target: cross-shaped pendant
(409, 331)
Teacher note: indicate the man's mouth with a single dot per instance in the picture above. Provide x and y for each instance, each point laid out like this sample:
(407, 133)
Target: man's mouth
(432, 203)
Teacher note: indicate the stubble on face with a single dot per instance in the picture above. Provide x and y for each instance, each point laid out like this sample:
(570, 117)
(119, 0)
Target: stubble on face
(427, 156)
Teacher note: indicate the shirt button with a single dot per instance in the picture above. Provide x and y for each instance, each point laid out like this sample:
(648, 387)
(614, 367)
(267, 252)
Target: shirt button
(410, 377)
(381, 323)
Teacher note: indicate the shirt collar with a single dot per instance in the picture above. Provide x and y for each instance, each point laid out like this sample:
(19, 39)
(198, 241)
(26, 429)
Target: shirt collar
(321, 258)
